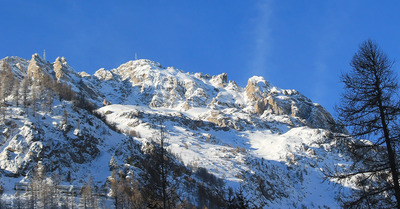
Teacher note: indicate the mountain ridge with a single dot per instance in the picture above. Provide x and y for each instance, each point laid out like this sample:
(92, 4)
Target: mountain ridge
(237, 133)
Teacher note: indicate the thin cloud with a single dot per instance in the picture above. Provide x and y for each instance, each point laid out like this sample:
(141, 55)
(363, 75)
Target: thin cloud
(261, 44)
(326, 75)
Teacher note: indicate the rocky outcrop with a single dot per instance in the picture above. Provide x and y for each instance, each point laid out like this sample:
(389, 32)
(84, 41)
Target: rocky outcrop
(294, 104)
(257, 88)
(134, 70)
(259, 107)
(144, 82)
(35, 68)
(220, 80)
(222, 120)
(103, 74)
(59, 67)
(321, 118)
(280, 106)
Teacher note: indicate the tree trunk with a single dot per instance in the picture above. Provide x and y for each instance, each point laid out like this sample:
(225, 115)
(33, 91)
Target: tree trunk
(391, 154)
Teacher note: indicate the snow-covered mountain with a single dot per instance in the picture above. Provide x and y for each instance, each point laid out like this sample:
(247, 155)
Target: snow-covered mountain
(273, 144)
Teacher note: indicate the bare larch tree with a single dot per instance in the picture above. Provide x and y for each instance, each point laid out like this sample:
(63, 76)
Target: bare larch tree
(369, 109)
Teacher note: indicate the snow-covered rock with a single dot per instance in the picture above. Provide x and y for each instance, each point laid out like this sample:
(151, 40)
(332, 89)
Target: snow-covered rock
(37, 67)
(273, 142)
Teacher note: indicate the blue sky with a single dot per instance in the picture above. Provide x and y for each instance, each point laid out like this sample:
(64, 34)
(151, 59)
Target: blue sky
(302, 45)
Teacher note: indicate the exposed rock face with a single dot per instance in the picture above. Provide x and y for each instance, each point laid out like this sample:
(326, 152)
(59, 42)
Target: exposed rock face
(257, 88)
(133, 70)
(276, 101)
(222, 120)
(59, 69)
(84, 74)
(217, 118)
(35, 68)
(106, 102)
(281, 105)
(60, 66)
(291, 102)
(321, 118)
(220, 80)
(259, 107)
(18, 65)
(103, 74)
(144, 82)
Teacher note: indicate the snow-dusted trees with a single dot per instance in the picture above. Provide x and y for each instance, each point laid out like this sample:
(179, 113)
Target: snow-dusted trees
(159, 191)
(112, 164)
(6, 87)
(64, 120)
(370, 109)
(35, 93)
(237, 200)
(125, 191)
(3, 112)
(25, 83)
(88, 198)
(42, 191)
(15, 92)
(6, 81)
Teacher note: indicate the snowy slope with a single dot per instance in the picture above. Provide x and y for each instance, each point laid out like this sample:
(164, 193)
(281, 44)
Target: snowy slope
(239, 156)
(273, 143)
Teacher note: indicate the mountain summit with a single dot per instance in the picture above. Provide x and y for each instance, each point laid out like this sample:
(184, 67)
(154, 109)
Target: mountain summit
(223, 142)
